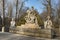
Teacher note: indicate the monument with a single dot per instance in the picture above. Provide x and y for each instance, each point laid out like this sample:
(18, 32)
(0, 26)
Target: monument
(48, 23)
(31, 23)
(2, 29)
(48, 27)
(31, 18)
(31, 26)
(12, 25)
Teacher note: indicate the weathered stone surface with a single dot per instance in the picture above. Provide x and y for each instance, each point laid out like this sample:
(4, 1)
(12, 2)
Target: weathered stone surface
(11, 36)
(48, 23)
(46, 33)
(2, 29)
(32, 28)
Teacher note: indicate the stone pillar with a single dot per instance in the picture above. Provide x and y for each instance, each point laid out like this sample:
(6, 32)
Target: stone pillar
(2, 29)
(49, 33)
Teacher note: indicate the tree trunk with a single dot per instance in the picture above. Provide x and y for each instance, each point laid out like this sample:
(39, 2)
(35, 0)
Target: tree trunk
(16, 8)
(3, 22)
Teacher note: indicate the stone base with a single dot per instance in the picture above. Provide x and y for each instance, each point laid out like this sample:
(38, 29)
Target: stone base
(2, 29)
(33, 30)
(28, 26)
(36, 32)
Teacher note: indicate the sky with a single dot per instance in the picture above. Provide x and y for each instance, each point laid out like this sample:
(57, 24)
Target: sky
(36, 3)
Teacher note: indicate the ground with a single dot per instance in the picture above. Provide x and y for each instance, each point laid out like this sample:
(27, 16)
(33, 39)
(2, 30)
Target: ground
(12, 36)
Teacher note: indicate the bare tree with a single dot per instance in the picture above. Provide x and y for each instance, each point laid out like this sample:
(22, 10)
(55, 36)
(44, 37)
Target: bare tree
(22, 6)
(16, 8)
(3, 11)
(20, 9)
(19, 6)
(1, 7)
(10, 11)
(47, 5)
(58, 12)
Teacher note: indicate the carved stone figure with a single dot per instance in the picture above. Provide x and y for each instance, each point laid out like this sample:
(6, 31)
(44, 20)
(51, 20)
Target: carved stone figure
(27, 17)
(48, 23)
(30, 17)
(12, 24)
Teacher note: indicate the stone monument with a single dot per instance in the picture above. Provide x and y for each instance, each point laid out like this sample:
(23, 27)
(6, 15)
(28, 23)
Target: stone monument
(2, 29)
(31, 20)
(12, 25)
(48, 27)
(31, 26)
(30, 17)
(31, 23)
(48, 23)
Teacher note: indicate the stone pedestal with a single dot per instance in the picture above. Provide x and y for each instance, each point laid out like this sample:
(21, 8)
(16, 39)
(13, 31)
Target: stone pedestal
(27, 27)
(49, 33)
(46, 33)
(33, 30)
(2, 29)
